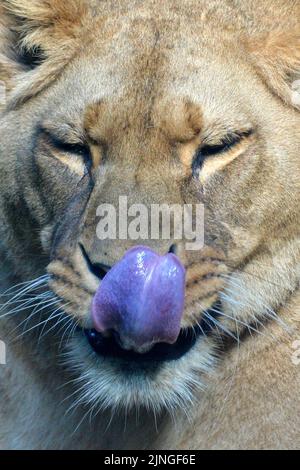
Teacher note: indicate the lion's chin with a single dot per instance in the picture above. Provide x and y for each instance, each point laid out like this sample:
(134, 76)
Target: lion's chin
(164, 379)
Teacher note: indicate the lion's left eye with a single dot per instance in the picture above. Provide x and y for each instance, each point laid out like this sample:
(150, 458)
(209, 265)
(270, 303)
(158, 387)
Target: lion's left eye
(223, 146)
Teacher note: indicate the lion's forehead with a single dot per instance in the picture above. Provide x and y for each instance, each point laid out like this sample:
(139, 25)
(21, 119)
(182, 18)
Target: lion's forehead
(153, 79)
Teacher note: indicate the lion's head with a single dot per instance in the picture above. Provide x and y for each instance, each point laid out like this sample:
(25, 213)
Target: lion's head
(164, 103)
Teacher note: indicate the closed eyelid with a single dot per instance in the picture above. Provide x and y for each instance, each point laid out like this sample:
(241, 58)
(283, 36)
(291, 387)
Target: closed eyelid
(227, 141)
(92, 153)
(57, 141)
(219, 161)
(230, 143)
(78, 163)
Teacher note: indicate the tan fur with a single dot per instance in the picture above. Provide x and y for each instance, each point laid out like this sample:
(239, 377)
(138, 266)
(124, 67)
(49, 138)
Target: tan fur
(143, 85)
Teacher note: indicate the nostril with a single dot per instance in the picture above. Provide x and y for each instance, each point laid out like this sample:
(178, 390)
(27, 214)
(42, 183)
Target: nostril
(98, 269)
(173, 249)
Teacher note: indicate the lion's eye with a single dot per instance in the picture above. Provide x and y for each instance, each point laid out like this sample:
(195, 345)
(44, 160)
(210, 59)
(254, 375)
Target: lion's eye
(77, 149)
(72, 149)
(219, 148)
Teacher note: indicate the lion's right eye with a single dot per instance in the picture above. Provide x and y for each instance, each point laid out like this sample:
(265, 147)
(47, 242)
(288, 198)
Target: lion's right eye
(67, 151)
(77, 149)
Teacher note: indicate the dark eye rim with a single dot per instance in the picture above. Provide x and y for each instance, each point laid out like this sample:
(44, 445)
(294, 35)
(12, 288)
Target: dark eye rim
(81, 149)
(226, 144)
(78, 149)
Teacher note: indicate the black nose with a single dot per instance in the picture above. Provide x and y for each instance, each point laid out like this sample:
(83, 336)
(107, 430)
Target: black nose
(98, 269)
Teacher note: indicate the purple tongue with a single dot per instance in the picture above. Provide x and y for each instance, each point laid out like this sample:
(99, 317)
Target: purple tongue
(142, 299)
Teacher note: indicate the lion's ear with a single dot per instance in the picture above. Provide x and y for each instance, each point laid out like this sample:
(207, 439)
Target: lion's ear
(38, 34)
(276, 57)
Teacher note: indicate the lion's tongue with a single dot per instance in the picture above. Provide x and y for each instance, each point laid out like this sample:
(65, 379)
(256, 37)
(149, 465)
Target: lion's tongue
(141, 299)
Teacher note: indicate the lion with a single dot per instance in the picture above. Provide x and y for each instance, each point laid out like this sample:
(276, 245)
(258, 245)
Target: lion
(164, 102)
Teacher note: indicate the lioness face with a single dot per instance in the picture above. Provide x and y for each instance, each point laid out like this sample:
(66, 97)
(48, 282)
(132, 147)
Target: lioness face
(162, 113)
